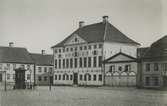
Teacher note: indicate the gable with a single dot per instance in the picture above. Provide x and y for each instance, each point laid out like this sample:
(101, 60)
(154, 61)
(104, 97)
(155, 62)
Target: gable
(121, 58)
(75, 39)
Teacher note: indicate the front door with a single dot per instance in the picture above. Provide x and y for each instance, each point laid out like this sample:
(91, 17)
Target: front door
(75, 80)
(20, 79)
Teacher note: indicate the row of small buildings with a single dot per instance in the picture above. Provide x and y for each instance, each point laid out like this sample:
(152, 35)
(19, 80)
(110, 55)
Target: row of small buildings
(93, 55)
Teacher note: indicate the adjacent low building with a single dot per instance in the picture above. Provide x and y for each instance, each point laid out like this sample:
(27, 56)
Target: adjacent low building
(43, 67)
(153, 65)
(78, 58)
(18, 59)
(120, 70)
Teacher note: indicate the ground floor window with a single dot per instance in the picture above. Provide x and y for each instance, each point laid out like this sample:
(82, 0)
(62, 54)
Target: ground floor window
(55, 77)
(63, 77)
(89, 77)
(155, 81)
(39, 78)
(71, 77)
(147, 81)
(67, 77)
(94, 77)
(81, 77)
(59, 77)
(45, 78)
(100, 77)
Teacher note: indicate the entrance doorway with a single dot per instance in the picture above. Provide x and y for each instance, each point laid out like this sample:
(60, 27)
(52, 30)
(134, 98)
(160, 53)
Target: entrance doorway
(20, 78)
(75, 81)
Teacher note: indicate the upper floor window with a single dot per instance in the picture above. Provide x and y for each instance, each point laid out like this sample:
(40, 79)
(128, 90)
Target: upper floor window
(50, 69)
(127, 68)
(100, 45)
(59, 50)
(67, 49)
(155, 66)
(71, 49)
(95, 46)
(76, 48)
(76, 39)
(85, 47)
(45, 69)
(8, 66)
(0, 66)
(39, 69)
(55, 63)
(94, 61)
(55, 50)
(63, 50)
(147, 67)
(28, 67)
(100, 61)
(80, 47)
(89, 47)
(111, 68)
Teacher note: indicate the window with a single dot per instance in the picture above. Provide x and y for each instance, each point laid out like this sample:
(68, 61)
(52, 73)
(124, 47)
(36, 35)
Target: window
(85, 47)
(80, 62)
(94, 52)
(71, 77)
(94, 77)
(50, 69)
(39, 78)
(100, 45)
(28, 76)
(63, 50)
(95, 46)
(85, 62)
(81, 77)
(76, 63)
(63, 63)
(8, 66)
(71, 62)
(100, 61)
(14, 66)
(28, 67)
(89, 47)
(89, 61)
(59, 63)
(55, 77)
(147, 67)
(71, 49)
(147, 81)
(120, 68)
(127, 68)
(59, 50)
(55, 50)
(156, 81)
(76, 48)
(155, 66)
(23, 66)
(100, 77)
(59, 77)
(14, 76)
(55, 63)
(89, 77)
(165, 67)
(76, 39)
(45, 69)
(94, 61)
(0, 66)
(80, 47)
(111, 68)
(85, 77)
(45, 78)
(67, 49)
(8, 76)
(67, 77)
(64, 77)
(39, 69)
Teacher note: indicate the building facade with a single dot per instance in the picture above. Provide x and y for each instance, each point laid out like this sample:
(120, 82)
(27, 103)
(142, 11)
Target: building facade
(120, 70)
(15, 58)
(153, 65)
(43, 67)
(78, 58)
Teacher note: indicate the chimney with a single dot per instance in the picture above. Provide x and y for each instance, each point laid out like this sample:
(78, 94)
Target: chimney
(81, 24)
(11, 44)
(43, 52)
(105, 19)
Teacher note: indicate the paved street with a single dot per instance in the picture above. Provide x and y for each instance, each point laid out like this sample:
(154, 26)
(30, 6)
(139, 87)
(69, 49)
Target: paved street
(80, 96)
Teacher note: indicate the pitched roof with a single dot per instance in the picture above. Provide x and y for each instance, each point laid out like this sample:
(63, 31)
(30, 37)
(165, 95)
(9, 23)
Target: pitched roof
(42, 59)
(120, 61)
(99, 32)
(158, 50)
(14, 55)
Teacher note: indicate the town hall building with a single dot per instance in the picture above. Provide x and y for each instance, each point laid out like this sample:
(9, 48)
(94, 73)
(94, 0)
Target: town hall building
(78, 58)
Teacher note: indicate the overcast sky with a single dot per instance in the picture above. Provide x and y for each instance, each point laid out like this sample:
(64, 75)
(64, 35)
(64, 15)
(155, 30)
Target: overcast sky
(40, 24)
